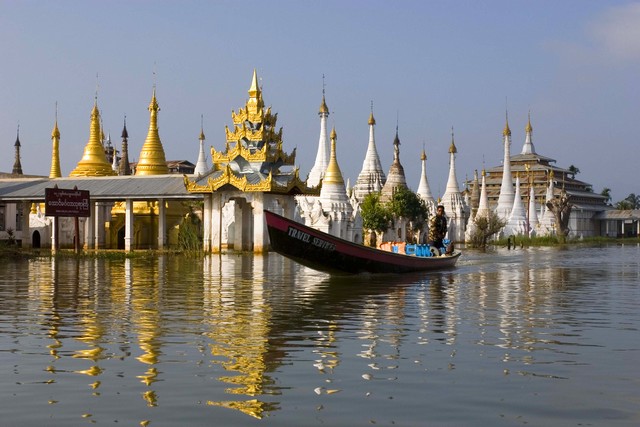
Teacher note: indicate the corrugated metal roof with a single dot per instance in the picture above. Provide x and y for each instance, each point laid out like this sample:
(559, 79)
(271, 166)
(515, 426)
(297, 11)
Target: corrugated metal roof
(615, 214)
(146, 187)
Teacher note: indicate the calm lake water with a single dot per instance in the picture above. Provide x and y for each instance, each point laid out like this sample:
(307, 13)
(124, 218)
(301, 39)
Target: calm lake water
(541, 337)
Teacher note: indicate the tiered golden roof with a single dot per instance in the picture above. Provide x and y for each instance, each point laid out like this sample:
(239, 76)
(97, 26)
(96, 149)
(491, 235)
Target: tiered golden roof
(152, 159)
(253, 149)
(94, 161)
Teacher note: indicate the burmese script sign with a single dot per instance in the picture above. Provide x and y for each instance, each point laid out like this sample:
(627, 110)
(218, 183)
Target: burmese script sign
(62, 202)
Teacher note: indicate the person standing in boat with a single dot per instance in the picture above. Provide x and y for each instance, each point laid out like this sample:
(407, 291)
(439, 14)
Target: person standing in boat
(438, 228)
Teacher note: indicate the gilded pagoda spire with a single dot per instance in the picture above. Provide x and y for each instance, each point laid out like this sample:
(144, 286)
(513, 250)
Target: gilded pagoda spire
(152, 158)
(94, 161)
(333, 175)
(506, 131)
(55, 153)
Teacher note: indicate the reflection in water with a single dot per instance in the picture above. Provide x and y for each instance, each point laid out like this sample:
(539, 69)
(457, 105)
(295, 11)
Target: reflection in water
(261, 334)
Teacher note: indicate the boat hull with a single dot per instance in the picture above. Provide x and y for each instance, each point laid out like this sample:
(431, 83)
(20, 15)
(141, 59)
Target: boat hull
(324, 252)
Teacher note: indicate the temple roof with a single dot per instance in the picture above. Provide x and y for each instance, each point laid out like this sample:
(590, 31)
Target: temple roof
(253, 155)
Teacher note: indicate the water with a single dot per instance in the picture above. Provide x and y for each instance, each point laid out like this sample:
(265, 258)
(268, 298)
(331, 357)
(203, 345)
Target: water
(541, 336)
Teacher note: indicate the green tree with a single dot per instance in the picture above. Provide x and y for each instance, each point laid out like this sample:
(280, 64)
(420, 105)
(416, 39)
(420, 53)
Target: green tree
(408, 205)
(606, 192)
(485, 227)
(574, 170)
(375, 216)
(628, 203)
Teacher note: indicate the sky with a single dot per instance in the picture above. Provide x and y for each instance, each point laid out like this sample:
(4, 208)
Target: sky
(427, 67)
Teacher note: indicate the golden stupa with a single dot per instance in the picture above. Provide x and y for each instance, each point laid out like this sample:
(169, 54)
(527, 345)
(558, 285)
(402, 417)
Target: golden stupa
(94, 161)
(152, 159)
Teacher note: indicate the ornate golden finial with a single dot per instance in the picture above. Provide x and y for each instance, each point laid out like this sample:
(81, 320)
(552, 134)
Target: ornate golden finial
(452, 147)
(55, 172)
(506, 131)
(152, 159)
(372, 121)
(254, 90)
(94, 161)
(333, 175)
(202, 138)
(423, 156)
(528, 128)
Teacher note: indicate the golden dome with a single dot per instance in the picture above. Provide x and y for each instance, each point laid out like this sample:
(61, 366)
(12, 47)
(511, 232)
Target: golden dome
(94, 161)
(333, 175)
(152, 158)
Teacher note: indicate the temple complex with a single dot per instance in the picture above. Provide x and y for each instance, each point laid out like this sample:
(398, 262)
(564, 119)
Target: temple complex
(540, 175)
(253, 172)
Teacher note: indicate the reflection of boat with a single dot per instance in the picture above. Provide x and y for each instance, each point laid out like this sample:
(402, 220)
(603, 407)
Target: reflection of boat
(322, 251)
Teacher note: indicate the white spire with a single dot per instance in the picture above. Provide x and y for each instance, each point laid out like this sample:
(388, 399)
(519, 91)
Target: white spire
(528, 147)
(533, 214)
(201, 165)
(547, 220)
(483, 206)
(505, 199)
(452, 182)
(371, 178)
(518, 217)
(452, 199)
(424, 191)
(322, 157)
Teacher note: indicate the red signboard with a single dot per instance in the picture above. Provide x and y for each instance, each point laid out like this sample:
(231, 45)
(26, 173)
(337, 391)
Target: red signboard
(62, 202)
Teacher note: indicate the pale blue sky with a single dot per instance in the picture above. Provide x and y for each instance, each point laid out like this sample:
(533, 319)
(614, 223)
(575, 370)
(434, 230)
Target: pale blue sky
(434, 64)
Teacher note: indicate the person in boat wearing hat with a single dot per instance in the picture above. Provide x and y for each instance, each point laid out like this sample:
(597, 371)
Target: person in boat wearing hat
(438, 228)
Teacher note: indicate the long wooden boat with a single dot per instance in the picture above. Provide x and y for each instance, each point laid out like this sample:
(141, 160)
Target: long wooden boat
(324, 252)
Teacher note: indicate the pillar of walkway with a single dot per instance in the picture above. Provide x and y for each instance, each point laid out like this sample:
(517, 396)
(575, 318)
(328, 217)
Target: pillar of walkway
(26, 232)
(260, 238)
(99, 231)
(128, 225)
(89, 225)
(162, 220)
(206, 221)
(216, 223)
(238, 216)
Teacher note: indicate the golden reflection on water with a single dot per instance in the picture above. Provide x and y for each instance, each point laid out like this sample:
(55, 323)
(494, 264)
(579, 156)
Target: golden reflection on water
(511, 304)
(238, 318)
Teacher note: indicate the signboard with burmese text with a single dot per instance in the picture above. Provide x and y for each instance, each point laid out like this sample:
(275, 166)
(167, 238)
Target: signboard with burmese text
(65, 202)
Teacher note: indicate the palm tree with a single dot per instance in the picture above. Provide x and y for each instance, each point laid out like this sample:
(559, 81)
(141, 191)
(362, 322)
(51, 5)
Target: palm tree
(606, 192)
